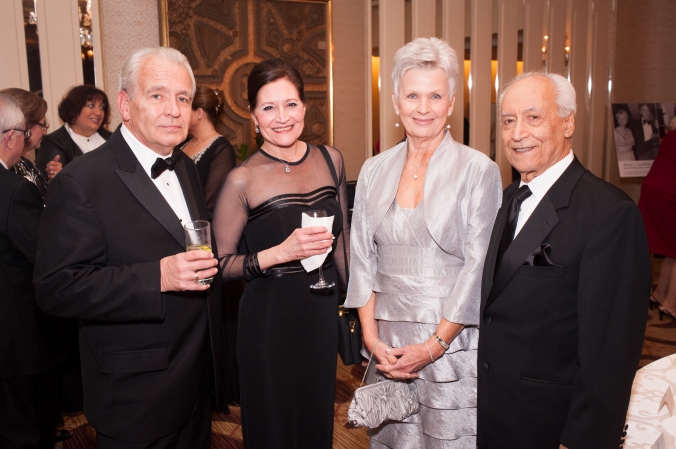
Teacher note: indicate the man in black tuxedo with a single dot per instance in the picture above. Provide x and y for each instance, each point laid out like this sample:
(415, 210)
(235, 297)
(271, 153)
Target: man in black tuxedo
(565, 287)
(646, 135)
(112, 254)
(29, 343)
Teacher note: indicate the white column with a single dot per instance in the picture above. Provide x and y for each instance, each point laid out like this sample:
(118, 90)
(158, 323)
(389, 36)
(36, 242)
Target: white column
(601, 20)
(533, 21)
(14, 71)
(480, 95)
(453, 32)
(556, 21)
(60, 53)
(391, 37)
(423, 18)
(96, 44)
(508, 36)
(578, 69)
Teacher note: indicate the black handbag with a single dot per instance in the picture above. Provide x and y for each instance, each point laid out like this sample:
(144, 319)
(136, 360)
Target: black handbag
(349, 327)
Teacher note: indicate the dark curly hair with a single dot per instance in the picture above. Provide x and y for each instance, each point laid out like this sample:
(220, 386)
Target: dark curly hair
(76, 99)
(271, 70)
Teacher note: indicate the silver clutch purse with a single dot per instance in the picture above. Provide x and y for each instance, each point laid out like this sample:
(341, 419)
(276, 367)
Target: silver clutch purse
(386, 400)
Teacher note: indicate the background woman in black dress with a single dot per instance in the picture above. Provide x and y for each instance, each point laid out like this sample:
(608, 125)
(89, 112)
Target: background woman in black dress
(214, 157)
(209, 150)
(288, 333)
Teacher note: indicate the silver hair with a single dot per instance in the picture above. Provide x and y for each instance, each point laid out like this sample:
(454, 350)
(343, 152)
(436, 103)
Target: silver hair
(132, 66)
(10, 113)
(425, 53)
(565, 92)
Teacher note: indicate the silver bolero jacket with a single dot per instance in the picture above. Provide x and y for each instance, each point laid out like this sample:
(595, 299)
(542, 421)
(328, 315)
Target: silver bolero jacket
(462, 195)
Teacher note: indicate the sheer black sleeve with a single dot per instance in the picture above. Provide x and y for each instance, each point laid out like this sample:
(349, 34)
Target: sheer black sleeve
(343, 239)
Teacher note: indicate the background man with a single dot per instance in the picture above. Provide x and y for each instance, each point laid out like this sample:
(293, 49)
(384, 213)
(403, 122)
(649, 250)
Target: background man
(112, 254)
(29, 350)
(563, 305)
(646, 134)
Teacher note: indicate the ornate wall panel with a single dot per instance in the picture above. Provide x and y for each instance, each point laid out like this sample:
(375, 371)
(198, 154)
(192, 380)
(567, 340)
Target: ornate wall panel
(224, 39)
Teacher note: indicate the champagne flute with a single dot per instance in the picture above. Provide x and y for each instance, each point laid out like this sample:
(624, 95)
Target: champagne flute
(198, 236)
(322, 283)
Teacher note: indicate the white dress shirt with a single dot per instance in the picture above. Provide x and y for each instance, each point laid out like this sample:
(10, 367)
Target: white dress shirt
(3, 164)
(86, 144)
(539, 186)
(647, 130)
(167, 183)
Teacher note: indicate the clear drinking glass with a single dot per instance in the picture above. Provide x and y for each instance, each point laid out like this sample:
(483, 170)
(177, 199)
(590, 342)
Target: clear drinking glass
(198, 236)
(322, 282)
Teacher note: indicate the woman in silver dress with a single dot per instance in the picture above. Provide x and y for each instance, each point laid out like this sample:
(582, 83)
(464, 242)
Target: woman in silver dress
(423, 215)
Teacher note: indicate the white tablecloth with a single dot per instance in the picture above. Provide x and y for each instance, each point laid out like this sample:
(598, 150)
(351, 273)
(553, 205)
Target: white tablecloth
(650, 428)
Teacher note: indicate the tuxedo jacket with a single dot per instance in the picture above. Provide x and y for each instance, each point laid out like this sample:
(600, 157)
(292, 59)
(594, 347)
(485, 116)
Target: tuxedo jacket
(29, 339)
(645, 150)
(559, 343)
(60, 143)
(104, 230)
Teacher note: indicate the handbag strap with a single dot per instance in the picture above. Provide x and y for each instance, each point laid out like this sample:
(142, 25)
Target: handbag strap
(368, 364)
(332, 168)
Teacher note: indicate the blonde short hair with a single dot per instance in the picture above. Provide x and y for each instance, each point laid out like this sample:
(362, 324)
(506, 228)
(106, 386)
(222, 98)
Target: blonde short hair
(425, 53)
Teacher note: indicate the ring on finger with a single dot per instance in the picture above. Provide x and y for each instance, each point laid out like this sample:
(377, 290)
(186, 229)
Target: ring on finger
(197, 278)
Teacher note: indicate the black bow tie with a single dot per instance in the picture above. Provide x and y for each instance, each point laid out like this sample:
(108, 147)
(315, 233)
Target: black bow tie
(647, 122)
(163, 164)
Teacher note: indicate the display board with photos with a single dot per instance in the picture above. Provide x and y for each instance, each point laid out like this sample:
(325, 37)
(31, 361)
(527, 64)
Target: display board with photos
(639, 128)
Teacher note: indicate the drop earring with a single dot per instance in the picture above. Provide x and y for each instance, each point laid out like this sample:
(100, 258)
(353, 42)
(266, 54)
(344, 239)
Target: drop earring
(256, 129)
(397, 124)
(448, 126)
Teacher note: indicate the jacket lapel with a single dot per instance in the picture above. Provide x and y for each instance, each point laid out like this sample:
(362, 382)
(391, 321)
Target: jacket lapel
(386, 175)
(189, 186)
(538, 226)
(140, 185)
(494, 243)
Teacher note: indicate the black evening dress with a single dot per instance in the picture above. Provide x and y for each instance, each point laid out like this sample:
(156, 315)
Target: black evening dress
(288, 335)
(213, 165)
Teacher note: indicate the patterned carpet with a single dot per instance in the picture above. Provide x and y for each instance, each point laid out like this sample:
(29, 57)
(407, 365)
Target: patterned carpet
(660, 341)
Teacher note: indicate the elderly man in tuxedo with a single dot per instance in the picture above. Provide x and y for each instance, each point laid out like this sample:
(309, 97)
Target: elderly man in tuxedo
(112, 254)
(565, 287)
(29, 339)
(646, 134)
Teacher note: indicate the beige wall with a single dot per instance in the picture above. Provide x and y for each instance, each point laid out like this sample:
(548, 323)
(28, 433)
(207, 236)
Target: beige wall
(645, 65)
(125, 26)
(352, 82)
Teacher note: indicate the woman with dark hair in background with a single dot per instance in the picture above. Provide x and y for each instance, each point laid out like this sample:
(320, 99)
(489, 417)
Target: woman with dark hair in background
(287, 339)
(85, 112)
(34, 110)
(210, 151)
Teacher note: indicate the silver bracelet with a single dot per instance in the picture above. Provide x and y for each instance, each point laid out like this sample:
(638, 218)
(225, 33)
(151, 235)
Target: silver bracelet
(430, 352)
(441, 342)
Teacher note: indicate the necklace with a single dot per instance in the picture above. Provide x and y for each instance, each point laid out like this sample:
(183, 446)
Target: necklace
(286, 163)
(415, 176)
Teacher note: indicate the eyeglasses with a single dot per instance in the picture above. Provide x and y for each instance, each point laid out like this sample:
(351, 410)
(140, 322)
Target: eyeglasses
(26, 132)
(44, 126)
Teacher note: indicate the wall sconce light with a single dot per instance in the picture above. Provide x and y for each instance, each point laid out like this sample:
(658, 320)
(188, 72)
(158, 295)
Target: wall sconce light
(544, 52)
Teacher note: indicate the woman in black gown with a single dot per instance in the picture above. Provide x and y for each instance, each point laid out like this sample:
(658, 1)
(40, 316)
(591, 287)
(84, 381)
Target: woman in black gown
(214, 157)
(288, 334)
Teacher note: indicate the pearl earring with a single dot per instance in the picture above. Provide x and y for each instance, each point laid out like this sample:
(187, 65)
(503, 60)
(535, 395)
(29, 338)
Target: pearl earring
(397, 124)
(448, 126)
(256, 129)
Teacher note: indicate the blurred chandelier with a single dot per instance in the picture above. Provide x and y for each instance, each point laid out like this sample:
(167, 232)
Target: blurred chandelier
(85, 25)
